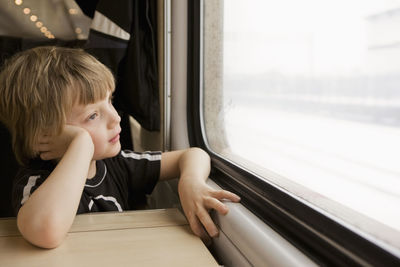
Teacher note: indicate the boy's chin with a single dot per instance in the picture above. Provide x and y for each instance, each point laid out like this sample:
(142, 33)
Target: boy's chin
(116, 149)
(112, 152)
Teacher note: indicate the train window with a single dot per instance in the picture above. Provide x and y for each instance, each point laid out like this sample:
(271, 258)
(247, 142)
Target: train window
(311, 102)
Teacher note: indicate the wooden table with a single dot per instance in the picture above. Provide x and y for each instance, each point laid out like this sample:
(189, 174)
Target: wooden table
(132, 238)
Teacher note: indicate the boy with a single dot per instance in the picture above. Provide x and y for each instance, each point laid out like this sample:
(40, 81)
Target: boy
(56, 102)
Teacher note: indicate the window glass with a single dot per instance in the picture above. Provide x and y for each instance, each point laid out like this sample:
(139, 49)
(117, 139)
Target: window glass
(307, 95)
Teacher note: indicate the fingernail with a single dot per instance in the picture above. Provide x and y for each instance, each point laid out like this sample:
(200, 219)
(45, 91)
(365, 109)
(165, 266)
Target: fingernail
(215, 234)
(225, 211)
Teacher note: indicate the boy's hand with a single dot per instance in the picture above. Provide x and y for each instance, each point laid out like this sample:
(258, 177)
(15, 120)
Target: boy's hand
(197, 199)
(54, 147)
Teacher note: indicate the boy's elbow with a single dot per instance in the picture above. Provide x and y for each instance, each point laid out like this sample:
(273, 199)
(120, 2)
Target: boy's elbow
(45, 234)
(49, 239)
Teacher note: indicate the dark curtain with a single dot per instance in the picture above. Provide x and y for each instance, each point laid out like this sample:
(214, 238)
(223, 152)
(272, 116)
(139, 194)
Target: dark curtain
(133, 60)
(9, 167)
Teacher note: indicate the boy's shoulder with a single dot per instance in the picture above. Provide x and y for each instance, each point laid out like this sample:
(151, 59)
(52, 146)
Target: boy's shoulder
(35, 168)
(131, 161)
(28, 179)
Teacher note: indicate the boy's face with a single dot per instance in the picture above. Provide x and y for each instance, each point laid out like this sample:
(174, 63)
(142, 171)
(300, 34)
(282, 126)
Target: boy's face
(101, 120)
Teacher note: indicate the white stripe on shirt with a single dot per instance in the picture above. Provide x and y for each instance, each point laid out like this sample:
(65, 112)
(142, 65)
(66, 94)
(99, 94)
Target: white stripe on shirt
(102, 179)
(112, 199)
(27, 188)
(138, 156)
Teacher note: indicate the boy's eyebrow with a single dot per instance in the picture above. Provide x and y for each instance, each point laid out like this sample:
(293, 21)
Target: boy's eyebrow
(85, 108)
(80, 113)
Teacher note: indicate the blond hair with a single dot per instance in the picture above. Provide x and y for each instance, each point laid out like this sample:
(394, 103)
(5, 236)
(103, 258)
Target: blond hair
(39, 86)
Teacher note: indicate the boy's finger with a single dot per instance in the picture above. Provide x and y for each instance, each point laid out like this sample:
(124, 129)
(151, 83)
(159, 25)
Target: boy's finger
(195, 225)
(198, 230)
(45, 155)
(213, 203)
(207, 222)
(223, 194)
(43, 140)
(48, 155)
(43, 147)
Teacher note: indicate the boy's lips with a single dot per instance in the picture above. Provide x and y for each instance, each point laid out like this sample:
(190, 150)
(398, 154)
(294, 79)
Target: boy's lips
(115, 138)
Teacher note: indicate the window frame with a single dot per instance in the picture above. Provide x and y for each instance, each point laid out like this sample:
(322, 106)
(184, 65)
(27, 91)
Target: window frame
(320, 237)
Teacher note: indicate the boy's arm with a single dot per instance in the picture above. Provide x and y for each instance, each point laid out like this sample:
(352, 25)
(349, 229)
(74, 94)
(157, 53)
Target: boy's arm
(197, 198)
(47, 215)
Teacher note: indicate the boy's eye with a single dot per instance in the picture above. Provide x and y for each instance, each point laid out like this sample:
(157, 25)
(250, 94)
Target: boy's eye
(92, 117)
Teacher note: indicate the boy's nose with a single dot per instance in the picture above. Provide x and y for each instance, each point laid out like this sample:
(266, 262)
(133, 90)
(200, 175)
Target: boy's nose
(114, 118)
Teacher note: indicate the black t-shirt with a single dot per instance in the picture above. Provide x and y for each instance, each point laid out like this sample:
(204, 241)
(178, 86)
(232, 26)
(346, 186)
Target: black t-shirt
(121, 183)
